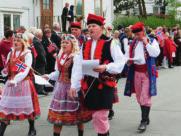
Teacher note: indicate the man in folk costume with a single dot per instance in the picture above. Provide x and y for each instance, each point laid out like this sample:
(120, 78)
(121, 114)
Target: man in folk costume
(99, 92)
(76, 30)
(142, 71)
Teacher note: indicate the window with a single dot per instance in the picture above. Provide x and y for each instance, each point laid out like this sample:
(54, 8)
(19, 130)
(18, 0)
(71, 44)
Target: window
(12, 20)
(46, 4)
(7, 20)
(79, 7)
(16, 21)
(98, 7)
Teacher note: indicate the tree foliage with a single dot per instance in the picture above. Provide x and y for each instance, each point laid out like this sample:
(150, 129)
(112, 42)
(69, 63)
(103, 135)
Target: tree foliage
(121, 5)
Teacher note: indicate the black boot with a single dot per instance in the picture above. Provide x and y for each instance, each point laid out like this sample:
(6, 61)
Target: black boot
(145, 119)
(145, 114)
(56, 134)
(80, 132)
(3, 127)
(32, 130)
(107, 134)
(170, 65)
(111, 114)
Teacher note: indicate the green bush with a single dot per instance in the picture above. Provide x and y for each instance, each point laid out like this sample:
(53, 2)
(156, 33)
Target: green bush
(151, 21)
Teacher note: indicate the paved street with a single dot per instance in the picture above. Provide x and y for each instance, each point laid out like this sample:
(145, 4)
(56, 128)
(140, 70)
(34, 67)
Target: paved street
(165, 114)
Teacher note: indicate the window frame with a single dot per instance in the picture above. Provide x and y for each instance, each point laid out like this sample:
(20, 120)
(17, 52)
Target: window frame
(46, 6)
(12, 19)
(101, 7)
(82, 7)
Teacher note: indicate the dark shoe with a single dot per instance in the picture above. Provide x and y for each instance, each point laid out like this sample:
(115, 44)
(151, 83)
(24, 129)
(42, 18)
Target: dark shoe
(42, 93)
(56, 134)
(107, 134)
(148, 122)
(80, 132)
(3, 127)
(142, 127)
(111, 114)
(32, 133)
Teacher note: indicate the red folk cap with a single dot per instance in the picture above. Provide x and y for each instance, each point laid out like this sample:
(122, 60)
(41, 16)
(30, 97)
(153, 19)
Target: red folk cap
(138, 27)
(76, 25)
(94, 19)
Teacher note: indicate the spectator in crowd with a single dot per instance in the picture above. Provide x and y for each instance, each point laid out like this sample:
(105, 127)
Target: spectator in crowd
(123, 39)
(108, 31)
(5, 46)
(21, 29)
(32, 30)
(177, 40)
(46, 26)
(56, 34)
(129, 35)
(76, 30)
(51, 51)
(116, 37)
(71, 14)
(40, 59)
(64, 17)
(86, 34)
(169, 50)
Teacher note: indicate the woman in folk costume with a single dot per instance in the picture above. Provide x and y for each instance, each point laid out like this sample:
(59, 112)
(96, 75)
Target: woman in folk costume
(99, 92)
(19, 99)
(142, 71)
(63, 110)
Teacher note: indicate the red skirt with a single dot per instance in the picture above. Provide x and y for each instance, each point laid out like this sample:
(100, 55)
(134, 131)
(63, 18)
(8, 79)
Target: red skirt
(79, 116)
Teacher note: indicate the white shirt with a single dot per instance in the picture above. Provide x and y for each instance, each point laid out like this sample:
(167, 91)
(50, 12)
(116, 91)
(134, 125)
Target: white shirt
(126, 46)
(139, 53)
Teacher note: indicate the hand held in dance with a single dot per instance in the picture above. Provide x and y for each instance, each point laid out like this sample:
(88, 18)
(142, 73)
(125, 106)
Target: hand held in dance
(100, 68)
(72, 93)
(45, 77)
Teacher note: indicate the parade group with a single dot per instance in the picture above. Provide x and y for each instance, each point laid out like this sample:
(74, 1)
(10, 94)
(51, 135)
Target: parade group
(134, 52)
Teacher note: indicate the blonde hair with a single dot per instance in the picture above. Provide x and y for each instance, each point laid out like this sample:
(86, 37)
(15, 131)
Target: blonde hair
(32, 30)
(75, 45)
(23, 42)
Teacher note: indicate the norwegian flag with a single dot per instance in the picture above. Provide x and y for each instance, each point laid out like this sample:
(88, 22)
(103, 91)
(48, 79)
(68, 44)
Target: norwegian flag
(160, 35)
(19, 66)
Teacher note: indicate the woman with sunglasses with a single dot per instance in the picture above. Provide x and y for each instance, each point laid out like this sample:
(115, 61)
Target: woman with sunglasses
(19, 99)
(63, 110)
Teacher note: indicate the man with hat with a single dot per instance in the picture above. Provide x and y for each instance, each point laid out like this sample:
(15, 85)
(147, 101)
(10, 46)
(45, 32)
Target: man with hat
(99, 92)
(77, 32)
(142, 71)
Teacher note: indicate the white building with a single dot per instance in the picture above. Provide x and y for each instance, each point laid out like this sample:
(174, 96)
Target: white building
(14, 13)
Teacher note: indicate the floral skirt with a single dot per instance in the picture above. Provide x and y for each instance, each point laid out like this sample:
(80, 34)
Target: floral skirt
(19, 102)
(65, 110)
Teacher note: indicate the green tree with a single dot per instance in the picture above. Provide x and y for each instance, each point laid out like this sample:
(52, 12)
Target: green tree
(121, 5)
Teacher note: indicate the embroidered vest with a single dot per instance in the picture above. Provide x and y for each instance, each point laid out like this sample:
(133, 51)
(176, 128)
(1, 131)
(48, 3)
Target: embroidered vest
(65, 69)
(103, 54)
